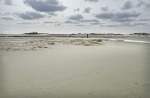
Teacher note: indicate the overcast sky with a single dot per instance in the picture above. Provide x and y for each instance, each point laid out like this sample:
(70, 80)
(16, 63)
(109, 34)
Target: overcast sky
(74, 16)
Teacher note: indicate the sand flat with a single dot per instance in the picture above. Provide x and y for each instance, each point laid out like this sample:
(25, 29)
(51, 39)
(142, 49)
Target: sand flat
(109, 70)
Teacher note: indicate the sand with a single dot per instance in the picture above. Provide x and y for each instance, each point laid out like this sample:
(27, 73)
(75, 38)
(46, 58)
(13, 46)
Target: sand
(34, 43)
(74, 68)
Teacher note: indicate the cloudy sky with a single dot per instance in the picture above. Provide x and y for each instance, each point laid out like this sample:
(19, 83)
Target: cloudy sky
(74, 16)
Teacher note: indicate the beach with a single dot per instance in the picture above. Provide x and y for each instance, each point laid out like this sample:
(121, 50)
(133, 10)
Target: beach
(52, 67)
(75, 49)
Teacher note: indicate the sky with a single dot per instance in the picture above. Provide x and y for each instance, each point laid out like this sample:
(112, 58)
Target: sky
(74, 16)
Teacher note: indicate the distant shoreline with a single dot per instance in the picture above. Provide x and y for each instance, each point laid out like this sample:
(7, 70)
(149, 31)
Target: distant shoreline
(91, 35)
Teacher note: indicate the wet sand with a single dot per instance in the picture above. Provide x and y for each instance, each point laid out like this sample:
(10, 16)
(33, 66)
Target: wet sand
(77, 70)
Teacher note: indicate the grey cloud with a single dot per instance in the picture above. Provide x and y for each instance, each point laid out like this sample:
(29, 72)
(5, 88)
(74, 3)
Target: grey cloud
(95, 23)
(79, 19)
(144, 4)
(48, 6)
(76, 17)
(110, 25)
(56, 23)
(104, 8)
(87, 10)
(71, 22)
(145, 20)
(7, 18)
(30, 15)
(126, 24)
(25, 23)
(119, 16)
(140, 24)
(5, 13)
(135, 24)
(6, 2)
(51, 22)
(68, 21)
(105, 15)
(123, 19)
(127, 15)
(127, 5)
(90, 21)
(147, 5)
(80, 25)
(92, 0)
(140, 3)
(77, 10)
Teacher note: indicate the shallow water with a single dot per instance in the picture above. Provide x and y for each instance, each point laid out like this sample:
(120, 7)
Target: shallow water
(111, 70)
